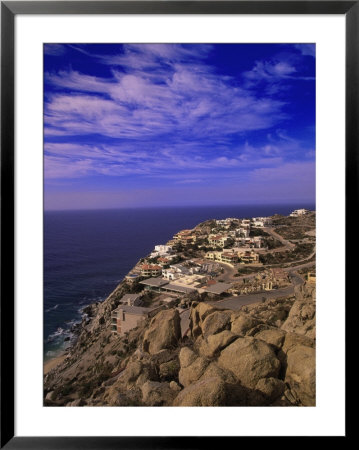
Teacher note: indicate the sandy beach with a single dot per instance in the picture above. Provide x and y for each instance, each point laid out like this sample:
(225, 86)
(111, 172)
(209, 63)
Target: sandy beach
(53, 363)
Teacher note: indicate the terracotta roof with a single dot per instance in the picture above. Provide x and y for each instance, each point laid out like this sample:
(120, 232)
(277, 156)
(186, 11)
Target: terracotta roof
(150, 267)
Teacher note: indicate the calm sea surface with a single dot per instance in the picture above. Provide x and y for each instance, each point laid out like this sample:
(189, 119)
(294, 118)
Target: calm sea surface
(87, 253)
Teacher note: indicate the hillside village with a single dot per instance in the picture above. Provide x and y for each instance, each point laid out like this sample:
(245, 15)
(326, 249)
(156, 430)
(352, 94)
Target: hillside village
(246, 283)
(217, 260)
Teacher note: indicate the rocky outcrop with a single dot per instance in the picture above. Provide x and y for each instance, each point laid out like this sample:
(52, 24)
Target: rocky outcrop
(301, 318)
(271, 388)
(163, 332)
(273, 337)
(242, 323)
(157, 394)
(212, 346)
(215, 323)
(249, 360)
(300, 373)
(193, 372)
(262, 355)
(206, 392)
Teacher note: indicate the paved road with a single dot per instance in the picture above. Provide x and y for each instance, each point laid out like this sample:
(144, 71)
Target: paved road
(236, 303)
(300, 266)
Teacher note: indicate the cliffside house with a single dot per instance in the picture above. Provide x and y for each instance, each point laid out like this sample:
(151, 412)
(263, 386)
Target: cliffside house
(213, 256)
(217, 240)
(189, 239)
(299, 212)
(229, 257)
(163, 249)
(248, 257)
(132, 277)
(154, 284)
(125, 318)
(131, 300)
(170, 274)
(178, 236)
(151, 270)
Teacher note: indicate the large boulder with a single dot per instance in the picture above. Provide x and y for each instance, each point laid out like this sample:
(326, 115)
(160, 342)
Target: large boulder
(300, 373)
(301, 318)
(213, 370)
(215, 323)
(206, 392)
(250, 360)
(193, 372)
(202, 310)
(215, 343)
(242, 324)
(271, 388)
(292, 339)
(169, 370)
(157, 394)
(163, 332)
(197, 316)
(132, 372)
(187, 357)
(274, 337)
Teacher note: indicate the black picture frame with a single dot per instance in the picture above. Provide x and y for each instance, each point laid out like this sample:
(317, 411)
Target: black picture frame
(9, 9)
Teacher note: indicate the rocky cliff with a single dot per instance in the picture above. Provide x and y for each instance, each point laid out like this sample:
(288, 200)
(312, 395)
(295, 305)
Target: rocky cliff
(262, 355)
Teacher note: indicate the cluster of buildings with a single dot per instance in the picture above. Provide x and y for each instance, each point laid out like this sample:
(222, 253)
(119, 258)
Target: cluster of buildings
(186, 285)
(234, 255)
(299, 212)
(265, 281)
(230, 243)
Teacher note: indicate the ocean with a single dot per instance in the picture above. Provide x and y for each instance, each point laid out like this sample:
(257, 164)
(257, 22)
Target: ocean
(87, 253)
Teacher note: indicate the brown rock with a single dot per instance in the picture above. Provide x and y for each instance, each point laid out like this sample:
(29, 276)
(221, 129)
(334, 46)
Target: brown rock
(250, 360)
(157, 394)
(273, 337)
(132, 372)
(215, 343)
(163, 332)
(206, 392)
(215, 323)
(187, 357)
(203, 310)
(169, 370)
(242, 324)
(292, 339)
(301, 318)
(300, 373)
(78, 402)
(193, 372)
(272, 388)
(175, 386)
(213, 370)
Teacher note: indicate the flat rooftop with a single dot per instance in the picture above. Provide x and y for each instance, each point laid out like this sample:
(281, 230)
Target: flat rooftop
(137, 310)
(154, 282)
(217, 288)
(177, 288)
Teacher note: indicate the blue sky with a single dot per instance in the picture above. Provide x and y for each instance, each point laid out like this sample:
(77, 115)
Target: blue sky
(163, 124)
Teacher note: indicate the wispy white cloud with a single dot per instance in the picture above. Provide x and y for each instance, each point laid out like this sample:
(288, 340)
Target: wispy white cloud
(306, 49)
(164, 113)
(54, 49)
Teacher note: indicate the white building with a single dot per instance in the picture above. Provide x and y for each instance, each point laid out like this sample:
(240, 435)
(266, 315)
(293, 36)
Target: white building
(162, 249)
(299, 212)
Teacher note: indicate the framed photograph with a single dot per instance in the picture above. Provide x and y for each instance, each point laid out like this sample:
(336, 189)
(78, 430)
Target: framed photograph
(173, 174)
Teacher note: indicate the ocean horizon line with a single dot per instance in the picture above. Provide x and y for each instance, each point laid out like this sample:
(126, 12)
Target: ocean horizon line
(235, 205)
